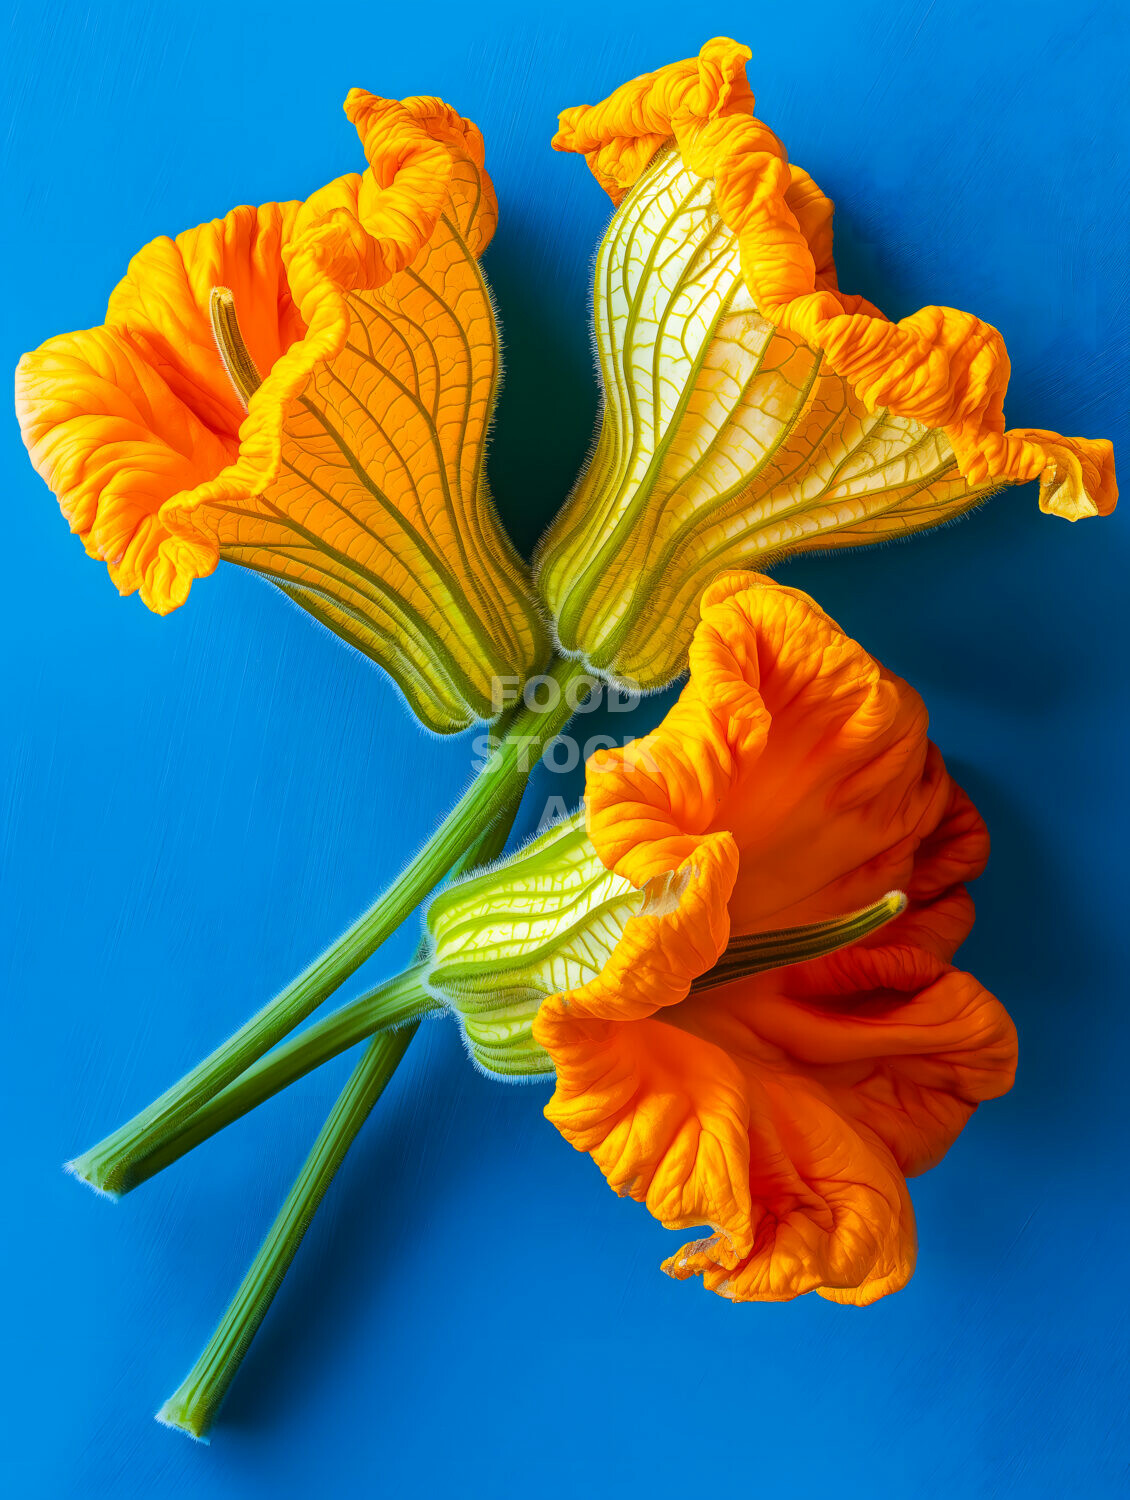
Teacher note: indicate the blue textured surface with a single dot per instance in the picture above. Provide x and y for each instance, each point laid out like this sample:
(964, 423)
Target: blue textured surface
(194, 805)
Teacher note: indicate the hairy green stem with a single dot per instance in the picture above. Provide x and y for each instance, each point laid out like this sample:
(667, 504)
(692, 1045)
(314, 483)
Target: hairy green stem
(397, 1002)
(195, 1403)
(111, 1166)
(193, 1406)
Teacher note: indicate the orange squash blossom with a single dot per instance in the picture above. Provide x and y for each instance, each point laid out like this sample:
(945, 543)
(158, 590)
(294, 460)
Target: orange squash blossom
(793, 781)
(305, 389)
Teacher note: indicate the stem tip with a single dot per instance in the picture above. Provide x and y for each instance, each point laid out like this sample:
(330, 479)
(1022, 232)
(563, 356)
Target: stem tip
(80, 1169)
(173, 1415)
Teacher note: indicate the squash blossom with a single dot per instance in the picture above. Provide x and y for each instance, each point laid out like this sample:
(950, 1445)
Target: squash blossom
(750, 408)
(305, 389)
(742, 974)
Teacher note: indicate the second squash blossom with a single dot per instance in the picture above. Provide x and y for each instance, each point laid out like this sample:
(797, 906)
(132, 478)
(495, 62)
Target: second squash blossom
(751, 409)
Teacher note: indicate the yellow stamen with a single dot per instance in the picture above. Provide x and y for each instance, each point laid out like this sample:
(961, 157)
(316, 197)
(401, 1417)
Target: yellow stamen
(241, 368)
(796, 945)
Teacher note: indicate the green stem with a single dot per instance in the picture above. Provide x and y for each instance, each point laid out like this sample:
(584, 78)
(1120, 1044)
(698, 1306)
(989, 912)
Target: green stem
(111, 1165)
(395, 1003)
(193, 1407)
(195, 1403)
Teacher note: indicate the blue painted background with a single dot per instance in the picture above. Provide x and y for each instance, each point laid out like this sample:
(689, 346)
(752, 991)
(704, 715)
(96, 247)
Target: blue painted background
(193, 806)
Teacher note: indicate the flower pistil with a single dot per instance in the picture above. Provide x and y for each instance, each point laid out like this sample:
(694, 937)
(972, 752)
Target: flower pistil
(242, 369)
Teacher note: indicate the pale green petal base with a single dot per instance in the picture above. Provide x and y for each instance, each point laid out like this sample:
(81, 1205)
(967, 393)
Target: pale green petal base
(724, 443)
(543, 921)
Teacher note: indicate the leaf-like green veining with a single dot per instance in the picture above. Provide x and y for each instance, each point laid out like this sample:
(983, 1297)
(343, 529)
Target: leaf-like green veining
(543, 921)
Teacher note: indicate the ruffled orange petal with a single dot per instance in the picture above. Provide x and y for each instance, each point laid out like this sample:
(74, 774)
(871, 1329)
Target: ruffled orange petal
(872, 1061)
(906, 1045)
(943, 368)
(834, 1214)
(120, 418)
(680, 931)
(793, 739)
(112, 441)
